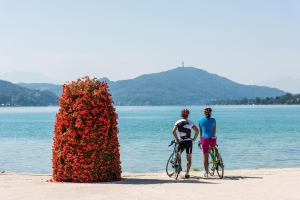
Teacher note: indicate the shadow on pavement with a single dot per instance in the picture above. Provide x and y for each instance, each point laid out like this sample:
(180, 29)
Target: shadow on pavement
(239, 177)
(231, 178)
(138, 181)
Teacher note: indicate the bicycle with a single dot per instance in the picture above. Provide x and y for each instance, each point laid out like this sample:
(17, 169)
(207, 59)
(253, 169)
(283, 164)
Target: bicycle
(217, 163)
(173, 166)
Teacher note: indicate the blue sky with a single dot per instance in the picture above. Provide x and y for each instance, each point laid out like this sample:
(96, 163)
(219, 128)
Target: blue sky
(245, 41)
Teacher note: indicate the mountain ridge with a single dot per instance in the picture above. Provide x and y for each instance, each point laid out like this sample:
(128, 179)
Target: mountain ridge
(185, 84)
(179, 86)
(27, 77)
(55, 88)
(14, 95)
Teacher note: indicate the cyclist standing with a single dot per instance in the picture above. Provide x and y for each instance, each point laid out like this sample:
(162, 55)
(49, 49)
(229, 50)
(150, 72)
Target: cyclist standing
(208, 128)
(184, 127)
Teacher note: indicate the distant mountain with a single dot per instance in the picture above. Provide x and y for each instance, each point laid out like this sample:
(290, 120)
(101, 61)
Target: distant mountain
(287, 84)
(27, 77)
(183, 86)
(180, 86)
(15, 95)
(56, 89)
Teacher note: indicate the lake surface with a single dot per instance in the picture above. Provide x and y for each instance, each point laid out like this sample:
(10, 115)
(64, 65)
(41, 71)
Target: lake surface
(249, 137)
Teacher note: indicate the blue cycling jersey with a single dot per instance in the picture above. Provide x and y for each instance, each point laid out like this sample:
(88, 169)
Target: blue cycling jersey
(207, 126)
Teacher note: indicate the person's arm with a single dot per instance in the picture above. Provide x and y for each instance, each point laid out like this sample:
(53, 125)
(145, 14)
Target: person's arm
(196, 133)
(175, 134)
(200, 133)
(215, 129)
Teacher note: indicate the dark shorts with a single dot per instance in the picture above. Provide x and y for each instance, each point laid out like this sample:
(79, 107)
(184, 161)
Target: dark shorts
(186, 145)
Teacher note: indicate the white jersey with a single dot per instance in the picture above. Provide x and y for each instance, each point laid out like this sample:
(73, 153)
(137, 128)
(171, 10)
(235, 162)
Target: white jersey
(184, 129)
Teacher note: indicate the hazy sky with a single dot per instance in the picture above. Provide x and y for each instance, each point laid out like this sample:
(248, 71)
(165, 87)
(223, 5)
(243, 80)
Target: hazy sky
(245, 41)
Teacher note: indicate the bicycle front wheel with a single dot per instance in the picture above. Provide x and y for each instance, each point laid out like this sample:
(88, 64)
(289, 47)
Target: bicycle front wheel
(220, 166)
(170, 166)
(177, 168)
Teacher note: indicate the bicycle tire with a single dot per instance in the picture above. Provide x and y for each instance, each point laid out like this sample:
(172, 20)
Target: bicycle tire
(220, 166)
(177, 169)
(211, 168)
(170, 168)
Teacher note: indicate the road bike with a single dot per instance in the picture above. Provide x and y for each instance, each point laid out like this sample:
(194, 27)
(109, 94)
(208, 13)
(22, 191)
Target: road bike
(215, 159)
(173, 166)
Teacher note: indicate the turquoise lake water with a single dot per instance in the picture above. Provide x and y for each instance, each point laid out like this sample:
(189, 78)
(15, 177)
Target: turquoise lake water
(249, 137)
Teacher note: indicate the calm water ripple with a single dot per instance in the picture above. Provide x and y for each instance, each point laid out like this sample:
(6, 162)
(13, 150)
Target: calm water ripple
(249, 137)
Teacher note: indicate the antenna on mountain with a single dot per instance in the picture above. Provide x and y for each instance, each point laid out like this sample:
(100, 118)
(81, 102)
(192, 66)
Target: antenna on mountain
(182, 64)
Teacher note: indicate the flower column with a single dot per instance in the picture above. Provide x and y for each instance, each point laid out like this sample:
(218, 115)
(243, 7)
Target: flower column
(86, 146)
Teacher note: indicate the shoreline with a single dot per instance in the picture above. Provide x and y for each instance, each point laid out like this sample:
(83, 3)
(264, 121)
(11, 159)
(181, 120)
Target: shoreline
(264, 183)
(158, 172)
(218, 105)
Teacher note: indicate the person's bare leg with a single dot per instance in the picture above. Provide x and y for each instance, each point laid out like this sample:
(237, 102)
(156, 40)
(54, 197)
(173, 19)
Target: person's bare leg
(205, 161)
(189, 162)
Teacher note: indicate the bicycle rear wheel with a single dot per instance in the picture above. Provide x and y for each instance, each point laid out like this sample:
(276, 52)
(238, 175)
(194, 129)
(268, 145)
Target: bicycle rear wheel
(211, 167)
(170, 167)
(220, 166)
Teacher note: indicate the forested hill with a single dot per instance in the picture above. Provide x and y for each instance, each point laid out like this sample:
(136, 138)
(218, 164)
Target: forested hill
(183, 86)
(15, 95)
(56, 89)
(180, 86)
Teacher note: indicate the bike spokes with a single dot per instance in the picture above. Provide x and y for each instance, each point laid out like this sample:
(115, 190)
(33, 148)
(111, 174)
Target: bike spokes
(170, 167)
(220, 167)
(177, 169)
(211, 166)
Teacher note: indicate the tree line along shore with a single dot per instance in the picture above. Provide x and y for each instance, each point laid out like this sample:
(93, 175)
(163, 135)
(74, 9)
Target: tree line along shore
(287, 99)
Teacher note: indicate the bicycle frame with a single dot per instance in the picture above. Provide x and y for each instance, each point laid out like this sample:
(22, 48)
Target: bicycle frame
(217, 162)
(174, 160)
(214, 150)
(214, 158)
(175, 150)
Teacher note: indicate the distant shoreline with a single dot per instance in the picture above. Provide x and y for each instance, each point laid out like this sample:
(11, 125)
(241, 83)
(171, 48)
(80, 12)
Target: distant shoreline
(162, 105)
(134, 174)
(30, 106)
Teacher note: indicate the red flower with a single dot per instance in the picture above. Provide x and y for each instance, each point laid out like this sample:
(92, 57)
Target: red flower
(85, 143)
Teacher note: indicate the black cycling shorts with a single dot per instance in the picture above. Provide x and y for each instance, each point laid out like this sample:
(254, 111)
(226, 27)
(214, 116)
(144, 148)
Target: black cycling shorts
(186, 145)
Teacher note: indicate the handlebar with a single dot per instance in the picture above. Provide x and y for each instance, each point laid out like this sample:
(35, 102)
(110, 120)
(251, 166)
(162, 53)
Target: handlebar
(172, 142)
(199, 143)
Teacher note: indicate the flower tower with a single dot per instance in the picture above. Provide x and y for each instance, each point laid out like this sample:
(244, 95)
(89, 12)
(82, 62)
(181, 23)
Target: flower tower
(85, 144)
